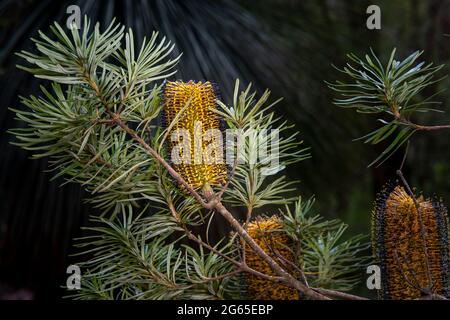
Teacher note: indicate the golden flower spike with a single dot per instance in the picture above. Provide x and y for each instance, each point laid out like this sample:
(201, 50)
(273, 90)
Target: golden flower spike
(264, 231)
(189, 118)
(398, 246)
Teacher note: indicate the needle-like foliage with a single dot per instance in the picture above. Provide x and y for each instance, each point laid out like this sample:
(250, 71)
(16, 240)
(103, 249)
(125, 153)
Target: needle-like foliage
(327, 259)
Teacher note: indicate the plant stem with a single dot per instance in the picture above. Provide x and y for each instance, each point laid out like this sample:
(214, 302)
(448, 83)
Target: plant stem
(416, 126)
(429, 128)
(157, 157)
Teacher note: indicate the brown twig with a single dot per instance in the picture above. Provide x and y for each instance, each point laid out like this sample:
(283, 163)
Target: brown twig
(401, 118)
(404, 156)
(157, 157)
(293, 265)
(424, 127)
(247, 221)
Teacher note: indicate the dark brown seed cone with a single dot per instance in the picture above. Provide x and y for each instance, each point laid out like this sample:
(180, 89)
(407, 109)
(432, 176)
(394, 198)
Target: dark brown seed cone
(398, 247)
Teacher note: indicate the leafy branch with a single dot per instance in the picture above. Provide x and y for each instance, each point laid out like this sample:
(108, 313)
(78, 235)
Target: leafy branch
(393, 89)
(96, 125)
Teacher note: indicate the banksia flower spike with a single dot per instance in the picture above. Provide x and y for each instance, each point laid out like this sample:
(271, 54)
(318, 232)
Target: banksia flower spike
(266, 233)
(398, 245)
(195, 132)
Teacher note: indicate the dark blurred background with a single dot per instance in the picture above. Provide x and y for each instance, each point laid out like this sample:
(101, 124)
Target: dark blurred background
(285, 45)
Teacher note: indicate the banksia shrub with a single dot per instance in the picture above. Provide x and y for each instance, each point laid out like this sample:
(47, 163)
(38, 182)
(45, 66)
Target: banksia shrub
(398, 245)
(195, 148)
(94, 122)
(266, 232)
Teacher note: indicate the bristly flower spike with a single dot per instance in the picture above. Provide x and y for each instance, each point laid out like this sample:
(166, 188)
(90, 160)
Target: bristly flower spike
(189, 116)
(398, 246)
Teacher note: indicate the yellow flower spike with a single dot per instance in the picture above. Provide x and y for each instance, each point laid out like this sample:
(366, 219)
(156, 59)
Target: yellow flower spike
(200, 157)
(275, 243)
(398, 247)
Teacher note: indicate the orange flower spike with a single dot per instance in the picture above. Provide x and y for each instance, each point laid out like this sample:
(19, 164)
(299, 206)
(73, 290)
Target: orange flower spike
(398, 247)
(190, 104)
